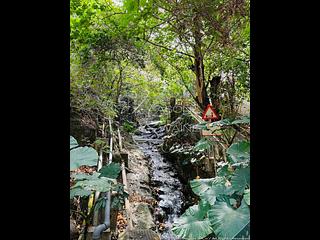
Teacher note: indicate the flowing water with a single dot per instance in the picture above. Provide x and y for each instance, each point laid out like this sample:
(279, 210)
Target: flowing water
(164, 179)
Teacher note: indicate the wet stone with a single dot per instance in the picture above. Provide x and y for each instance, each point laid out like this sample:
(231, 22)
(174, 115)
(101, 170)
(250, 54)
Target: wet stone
(163, 177)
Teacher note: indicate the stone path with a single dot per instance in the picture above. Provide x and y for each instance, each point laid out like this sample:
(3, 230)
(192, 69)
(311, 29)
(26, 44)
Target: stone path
(140, 197)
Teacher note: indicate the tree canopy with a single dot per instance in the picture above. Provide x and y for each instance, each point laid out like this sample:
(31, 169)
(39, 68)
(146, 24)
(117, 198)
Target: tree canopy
(161, 48)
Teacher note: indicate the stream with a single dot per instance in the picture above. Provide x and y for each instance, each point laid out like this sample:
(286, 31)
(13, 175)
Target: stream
(164, 179)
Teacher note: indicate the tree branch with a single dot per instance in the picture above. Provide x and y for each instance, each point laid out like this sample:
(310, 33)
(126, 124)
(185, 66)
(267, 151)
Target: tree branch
(207, 49)
(182, 80)
(167, 48)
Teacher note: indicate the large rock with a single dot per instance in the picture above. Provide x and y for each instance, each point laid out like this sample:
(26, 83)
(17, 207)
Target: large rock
(83, 126)
(142, 217)
(73, 230)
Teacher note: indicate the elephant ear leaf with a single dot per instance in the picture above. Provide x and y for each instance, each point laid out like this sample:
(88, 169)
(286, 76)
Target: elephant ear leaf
(111, 170)
(73, 143)
(193, 224)
(242, 120)
(83, 156)
(188, 227)
(240, 180)
(227, 222)
(203, 144)
(94, 184)
(239, 152)
(208, 189)
(246, 196)
(79, 191)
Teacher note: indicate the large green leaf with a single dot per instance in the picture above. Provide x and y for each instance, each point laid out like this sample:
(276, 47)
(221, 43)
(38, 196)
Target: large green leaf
(79, 191)
(239, 152)
(194, 224)
(87, 183)
(229, 122)
(221, 123)
(200, 186)
(94, 184)
(244, 233)
(230, 200)
(203, 144)
(228, 222)
(201, 126)
(73, 142)
(193, 211)
(208, 189)
(83, 156)
(111, 170)
(190, 227)
(242, 120)
(204, 206)
(101, 203)
(198, 211)
(224, 171)
(246, 196)
(240, 179)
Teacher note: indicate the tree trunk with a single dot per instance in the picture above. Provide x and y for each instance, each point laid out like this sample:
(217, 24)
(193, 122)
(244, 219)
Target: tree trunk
(173, 116)
(214, 93)
(200, 79)
(198, 64)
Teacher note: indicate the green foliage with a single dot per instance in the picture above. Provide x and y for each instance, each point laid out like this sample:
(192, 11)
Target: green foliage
(118, 201)
(203, 144)
(111, 170)
(223, 209)
(228, 222)
(128, 127)
(80, 156)
(85, 184)
(229, 122)
(95, 184)
(190, 227)
(83, 156)
(246, 196)
(224, 124)
(84, 176)
(224, 171)
(100, 203)
(242, 120)
(209, 189)
(101, 143)
(198, 152)
(239, 152)
(147, 51)
(241, 179)
(88, 183)
(101, 49)
(79, 191)
(73, 143)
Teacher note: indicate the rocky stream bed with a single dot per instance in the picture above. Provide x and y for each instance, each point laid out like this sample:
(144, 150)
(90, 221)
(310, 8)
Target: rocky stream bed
(156, 193)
